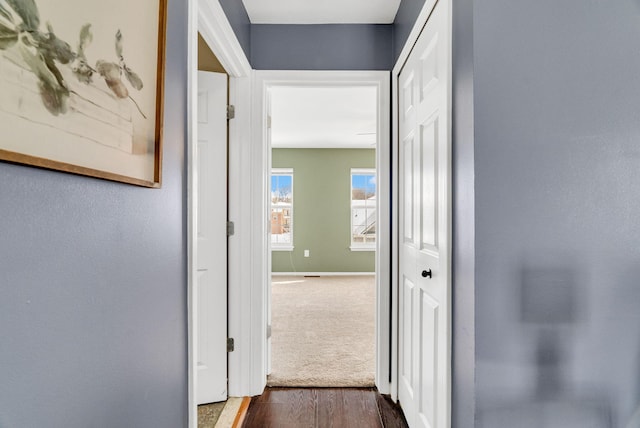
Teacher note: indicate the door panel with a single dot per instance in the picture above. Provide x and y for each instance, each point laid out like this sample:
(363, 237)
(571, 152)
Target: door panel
(428, 361)
(407, 168)
(407, 324)
(424, 250)
(211, 227)
(429, 196)
(429, 65)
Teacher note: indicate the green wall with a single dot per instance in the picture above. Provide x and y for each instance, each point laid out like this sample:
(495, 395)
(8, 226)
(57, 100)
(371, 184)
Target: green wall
(321, 210)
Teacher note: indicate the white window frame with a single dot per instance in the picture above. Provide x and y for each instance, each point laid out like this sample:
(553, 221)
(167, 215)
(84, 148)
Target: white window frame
(360, 246)
(277, 246)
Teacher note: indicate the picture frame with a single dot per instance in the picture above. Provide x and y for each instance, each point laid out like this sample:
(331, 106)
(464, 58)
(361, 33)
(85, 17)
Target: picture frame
(82, 87)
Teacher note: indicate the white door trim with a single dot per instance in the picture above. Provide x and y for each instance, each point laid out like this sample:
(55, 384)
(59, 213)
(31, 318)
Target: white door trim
(209, 18)
(260, 169)
(421, 21)
(217, 32)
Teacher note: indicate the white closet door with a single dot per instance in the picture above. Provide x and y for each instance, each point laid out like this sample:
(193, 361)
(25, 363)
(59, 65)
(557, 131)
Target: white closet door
(425, 219)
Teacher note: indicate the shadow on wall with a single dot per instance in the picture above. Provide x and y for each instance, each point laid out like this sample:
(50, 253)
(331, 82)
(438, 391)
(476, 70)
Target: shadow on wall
(574, 353)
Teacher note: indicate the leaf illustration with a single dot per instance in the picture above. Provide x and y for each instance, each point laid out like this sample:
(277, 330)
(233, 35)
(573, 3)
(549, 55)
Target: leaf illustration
(56, 95)
(54, 70)
(36, 63)
(5, 14)
(8, 36)
(108, 70)
(52, 91)
(28, 11)
(133, 78)
(52, 47)
(86, 37)
(119, 44)
(117, 87)
(80, 67)
(111, 73)
(53, 99)
(9, 33)
(82, 71)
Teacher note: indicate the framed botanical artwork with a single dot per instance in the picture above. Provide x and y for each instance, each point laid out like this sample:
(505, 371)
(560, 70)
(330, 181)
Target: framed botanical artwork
(81, 86)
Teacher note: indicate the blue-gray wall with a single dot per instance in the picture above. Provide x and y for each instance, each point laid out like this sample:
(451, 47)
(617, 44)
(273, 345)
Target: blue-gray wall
(93, 287)
(403, 24)
(239, 20)
(321, 47)
(557, 202)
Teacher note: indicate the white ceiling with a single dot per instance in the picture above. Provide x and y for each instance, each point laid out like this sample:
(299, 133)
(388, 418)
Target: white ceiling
(321, 11)
(323, 117)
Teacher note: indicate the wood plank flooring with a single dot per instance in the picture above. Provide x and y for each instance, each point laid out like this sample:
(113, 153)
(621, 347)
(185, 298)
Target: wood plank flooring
(323, 408)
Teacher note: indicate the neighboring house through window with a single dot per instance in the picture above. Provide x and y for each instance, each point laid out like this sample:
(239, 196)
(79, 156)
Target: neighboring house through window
(282, 209)
(363, 209)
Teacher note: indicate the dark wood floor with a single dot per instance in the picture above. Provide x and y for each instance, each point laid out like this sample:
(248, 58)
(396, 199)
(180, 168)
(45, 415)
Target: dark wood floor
(323, 408)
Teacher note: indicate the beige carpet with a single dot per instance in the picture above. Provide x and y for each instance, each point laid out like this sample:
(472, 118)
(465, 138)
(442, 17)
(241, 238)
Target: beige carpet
(208, 414)
(323, 331)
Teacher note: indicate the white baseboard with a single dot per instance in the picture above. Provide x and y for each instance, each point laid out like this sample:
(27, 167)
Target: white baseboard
(322, 273)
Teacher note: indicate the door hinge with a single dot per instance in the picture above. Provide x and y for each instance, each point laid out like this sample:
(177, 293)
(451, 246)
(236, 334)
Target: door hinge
(231, 228)
(268, 331)
(269, 122)
(231, 112)
(230, 344)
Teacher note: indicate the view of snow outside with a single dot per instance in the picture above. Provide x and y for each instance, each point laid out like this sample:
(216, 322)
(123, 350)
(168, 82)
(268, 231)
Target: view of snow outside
(363, 208)
(281, 209)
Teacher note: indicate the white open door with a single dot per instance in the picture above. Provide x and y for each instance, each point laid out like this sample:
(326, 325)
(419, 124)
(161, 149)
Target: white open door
(424, 218)
(211, 226)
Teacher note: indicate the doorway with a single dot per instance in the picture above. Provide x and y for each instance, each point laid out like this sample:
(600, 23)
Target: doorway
(323, 221)
(208, 19)
(269, 83)
(210, 252)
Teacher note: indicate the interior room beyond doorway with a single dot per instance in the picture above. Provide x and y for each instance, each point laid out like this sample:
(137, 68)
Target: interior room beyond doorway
(323, 235)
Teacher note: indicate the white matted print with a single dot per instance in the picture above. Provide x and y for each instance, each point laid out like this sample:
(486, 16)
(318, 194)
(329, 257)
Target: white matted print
(81, 86)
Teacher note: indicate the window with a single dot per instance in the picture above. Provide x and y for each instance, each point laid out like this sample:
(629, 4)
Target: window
(282, 209)
(363, 209)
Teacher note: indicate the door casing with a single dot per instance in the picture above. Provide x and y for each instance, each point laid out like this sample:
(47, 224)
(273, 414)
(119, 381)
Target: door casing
(209, 19)
(261, 165)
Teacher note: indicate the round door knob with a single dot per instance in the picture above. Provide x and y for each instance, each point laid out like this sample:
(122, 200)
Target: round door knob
(426, 273)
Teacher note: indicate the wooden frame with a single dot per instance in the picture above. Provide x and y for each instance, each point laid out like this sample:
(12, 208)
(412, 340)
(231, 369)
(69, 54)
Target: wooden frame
(83, 87)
